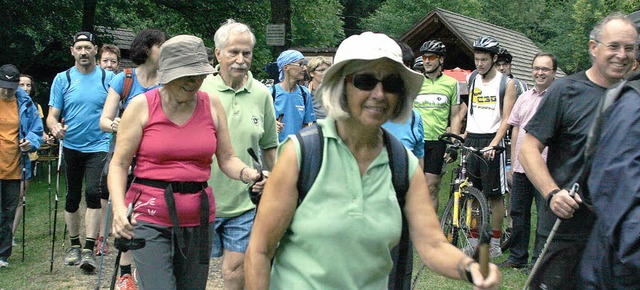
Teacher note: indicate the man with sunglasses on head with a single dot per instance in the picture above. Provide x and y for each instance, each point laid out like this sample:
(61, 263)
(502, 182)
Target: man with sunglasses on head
(292, 101)
(486, 127)
(438, 103)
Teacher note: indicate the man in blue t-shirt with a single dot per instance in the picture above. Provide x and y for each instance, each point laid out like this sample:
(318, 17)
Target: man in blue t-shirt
(293, 103)
(76, 101)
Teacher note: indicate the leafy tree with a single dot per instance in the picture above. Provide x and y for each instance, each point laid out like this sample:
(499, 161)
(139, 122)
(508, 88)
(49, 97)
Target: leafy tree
(318, 24)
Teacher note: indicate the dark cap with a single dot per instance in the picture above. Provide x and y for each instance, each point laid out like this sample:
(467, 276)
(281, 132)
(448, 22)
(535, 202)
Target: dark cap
(84, 36)
(9, 76)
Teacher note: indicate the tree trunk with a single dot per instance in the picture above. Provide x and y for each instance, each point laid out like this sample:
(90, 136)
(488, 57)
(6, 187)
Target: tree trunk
(89, 15)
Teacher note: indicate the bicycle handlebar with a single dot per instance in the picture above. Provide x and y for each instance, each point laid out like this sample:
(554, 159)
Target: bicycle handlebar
(445, 138)
(459, 143)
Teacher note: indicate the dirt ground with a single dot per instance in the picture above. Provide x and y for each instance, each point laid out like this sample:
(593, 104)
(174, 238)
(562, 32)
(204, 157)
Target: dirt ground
(79, 280)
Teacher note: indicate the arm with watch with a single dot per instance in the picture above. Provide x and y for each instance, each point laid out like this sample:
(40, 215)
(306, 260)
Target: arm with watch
(557, 199)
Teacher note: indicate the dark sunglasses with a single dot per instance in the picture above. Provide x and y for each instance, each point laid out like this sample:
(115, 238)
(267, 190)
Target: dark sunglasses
(366, 82)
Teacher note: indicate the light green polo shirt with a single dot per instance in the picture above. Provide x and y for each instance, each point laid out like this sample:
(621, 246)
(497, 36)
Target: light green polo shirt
(252, 124)
(343, 231)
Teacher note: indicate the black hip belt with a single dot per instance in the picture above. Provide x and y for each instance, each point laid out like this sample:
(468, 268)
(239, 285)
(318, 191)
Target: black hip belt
(186, 188)
(178, 186)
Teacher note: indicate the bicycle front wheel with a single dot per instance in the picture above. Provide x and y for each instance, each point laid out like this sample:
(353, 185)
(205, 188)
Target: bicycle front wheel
(471, 223)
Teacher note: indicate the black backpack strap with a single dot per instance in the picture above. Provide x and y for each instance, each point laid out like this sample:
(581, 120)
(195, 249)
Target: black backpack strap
(273, 93)
(311, 142)
(104, 76)
(503, 90)
(68, 74)
(304, 95)
(470, 87)
(399, 165)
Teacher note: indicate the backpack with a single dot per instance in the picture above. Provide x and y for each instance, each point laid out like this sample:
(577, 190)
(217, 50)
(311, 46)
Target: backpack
(471, 84)
(68, 74)
(273, 94)
(126, 90)
(311, 142)
(612, 96)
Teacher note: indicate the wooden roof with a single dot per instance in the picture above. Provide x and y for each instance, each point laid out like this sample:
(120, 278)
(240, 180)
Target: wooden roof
(458, 32)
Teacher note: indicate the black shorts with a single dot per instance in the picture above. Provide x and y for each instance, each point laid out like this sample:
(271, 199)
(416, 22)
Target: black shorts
(434, 156)
(486, 175)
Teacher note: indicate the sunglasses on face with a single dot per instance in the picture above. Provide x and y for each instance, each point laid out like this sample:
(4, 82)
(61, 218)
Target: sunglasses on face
(366, 82)
(430, 57)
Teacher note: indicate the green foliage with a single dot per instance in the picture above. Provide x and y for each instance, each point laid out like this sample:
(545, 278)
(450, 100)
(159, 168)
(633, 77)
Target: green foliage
(317, 24)
(395, 17)
(559, 26)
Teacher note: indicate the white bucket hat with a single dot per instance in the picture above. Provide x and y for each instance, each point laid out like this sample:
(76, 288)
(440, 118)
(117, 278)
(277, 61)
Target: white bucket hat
(373, 46)
(181, 56)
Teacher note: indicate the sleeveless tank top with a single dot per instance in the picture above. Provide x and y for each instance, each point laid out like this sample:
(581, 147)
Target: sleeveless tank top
(171, 152)
(486, 115)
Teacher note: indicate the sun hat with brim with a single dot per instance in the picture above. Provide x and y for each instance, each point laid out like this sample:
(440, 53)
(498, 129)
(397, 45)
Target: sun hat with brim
(374, 46)
(182, 56)
(9, 77)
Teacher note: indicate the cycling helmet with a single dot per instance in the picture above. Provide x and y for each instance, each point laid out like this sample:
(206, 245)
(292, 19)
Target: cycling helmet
(418, 63)
(504, 55)
(486, 43)
(433, 46)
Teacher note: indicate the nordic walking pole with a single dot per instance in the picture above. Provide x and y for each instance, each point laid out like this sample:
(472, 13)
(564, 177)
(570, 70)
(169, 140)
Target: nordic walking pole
(106, 228)
(572, 192)
(23, 184)
(49, 185)
(55, 210)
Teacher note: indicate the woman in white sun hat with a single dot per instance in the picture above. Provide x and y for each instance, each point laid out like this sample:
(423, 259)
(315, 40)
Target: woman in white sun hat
(341, 234)
(174, 131)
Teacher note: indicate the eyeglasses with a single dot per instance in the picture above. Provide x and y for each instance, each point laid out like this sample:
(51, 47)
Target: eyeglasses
(366, 82)
(615, 47)
(300, 64)
(542, 69)
(430, 57)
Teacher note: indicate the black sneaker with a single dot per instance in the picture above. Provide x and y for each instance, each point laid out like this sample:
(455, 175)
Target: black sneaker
(509, 264)
(88, 261)
(73, 256)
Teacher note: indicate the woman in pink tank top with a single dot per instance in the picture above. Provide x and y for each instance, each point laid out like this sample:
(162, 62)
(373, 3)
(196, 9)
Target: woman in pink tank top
(174, 132)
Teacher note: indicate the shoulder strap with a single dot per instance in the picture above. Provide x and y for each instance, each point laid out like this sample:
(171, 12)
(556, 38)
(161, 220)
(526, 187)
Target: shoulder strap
(470, 87)
(128, 83)
(273, 93)
(413, 123)
(304, 95)
(311, 142)
(104, 76)
(503, 90)
(612, 96)
(68, 74)
(399, 164)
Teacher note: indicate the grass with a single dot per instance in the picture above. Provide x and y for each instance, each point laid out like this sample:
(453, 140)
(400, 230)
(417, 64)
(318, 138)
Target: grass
(34, 273)
(511, 278)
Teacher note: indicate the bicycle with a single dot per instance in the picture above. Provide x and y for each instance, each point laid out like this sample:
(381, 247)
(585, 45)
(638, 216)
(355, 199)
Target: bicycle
(461, 229)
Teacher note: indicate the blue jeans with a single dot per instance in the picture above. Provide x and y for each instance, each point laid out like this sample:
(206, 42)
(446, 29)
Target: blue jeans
(522, 195)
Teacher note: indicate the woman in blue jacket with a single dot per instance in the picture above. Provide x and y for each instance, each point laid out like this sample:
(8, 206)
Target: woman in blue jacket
(20, 132)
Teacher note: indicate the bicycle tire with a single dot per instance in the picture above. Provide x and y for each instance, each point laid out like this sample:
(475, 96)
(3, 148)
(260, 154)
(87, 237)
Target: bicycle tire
(461, 235)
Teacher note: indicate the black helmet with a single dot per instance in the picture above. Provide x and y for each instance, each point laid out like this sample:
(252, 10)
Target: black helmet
(486, 43)
(433, 46)
(418, 63)
(504, 55)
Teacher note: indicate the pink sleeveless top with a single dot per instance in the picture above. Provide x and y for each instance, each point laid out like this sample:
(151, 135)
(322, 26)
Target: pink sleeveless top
(170, 152)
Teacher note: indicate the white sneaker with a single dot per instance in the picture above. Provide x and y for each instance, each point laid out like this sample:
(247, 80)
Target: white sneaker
(3, 263)
(471, 247)
(495, 250)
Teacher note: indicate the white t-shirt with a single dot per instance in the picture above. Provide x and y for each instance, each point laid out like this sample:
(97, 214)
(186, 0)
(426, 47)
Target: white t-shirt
(485, 103)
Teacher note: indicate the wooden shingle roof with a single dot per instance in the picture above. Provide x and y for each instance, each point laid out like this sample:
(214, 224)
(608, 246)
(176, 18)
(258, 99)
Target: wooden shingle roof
(458, 32)
(121, 37)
